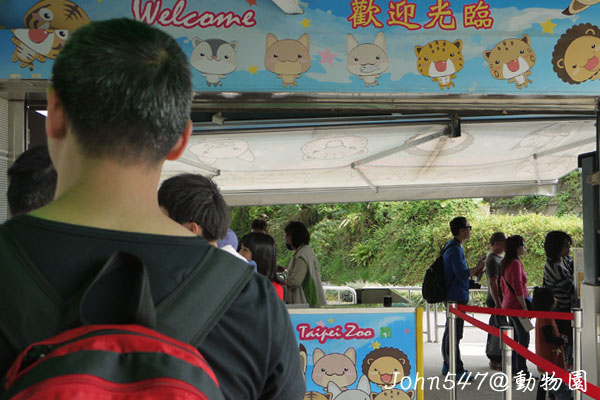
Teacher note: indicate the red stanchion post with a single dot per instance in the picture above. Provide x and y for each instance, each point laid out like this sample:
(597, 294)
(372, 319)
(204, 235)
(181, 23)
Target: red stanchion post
(577, 325)
(451, 318)
(507, 360)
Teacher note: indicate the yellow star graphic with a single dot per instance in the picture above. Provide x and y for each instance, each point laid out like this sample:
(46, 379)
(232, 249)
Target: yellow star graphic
(376, 345)
(330, 320)
(548, 26)
(253, 69)
(305, 23)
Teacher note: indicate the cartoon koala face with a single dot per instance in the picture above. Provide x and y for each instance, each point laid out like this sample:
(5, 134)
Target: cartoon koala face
(510, 57)
(368, 58)
(56, 14)
(440, 58)
(287, 56)
(214, 56)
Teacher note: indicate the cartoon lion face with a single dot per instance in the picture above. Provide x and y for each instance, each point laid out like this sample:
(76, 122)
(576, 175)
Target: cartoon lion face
(440, 58)
(386, 366)
(56, 14)
(287, 56)
(510, 57)
(576, 55)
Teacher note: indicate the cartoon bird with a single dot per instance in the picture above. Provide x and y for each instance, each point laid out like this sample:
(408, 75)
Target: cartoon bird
(578, 6)
(288, 58)
(512, 59)
(368, 60)
(215, 58)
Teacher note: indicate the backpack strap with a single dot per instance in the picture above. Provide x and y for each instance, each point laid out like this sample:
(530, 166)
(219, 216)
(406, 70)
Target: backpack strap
(30, 308)
(195, 306)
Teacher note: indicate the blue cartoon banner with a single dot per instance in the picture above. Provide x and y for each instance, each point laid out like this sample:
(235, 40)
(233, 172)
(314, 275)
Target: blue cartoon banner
(517, 47)
(359, 354)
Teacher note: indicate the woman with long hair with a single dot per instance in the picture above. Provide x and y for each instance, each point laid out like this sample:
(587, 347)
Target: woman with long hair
(513, 283)
(559, 276)
(260, 248)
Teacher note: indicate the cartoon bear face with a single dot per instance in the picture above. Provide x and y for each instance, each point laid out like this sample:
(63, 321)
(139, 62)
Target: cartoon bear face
(287, 56)
(56, 14)
(510, 58)
(440, 58)
(367, 58)
(214, 56)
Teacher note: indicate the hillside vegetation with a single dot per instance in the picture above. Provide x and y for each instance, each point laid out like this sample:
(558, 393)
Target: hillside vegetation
(394, 242)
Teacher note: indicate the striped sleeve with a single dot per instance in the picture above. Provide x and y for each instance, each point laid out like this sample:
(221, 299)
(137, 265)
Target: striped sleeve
(558, 278)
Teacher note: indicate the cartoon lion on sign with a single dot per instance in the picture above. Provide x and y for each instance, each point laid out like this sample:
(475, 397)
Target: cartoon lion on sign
(386, 366)
(576, 55)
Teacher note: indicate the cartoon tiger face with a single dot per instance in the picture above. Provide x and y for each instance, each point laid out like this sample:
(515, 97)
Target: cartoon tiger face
(56, 14)
(37, 44)
(510, 58)
(441, 60)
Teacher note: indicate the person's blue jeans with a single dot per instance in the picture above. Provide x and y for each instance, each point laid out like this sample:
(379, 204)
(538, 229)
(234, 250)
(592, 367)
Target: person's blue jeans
(460, 326)
(519, 363)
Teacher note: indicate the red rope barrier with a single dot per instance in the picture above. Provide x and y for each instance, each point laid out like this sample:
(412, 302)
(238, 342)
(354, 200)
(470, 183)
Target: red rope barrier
(517, 313)
(591, 390)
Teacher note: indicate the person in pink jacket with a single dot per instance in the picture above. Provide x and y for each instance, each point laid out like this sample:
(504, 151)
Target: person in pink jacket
(513, 283)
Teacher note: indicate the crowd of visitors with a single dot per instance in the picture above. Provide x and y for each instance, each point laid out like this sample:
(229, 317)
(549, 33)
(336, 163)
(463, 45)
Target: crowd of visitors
(507, 289)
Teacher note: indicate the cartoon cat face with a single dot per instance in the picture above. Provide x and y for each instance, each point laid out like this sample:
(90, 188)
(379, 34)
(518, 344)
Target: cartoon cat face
(56, 14)
(393, 394)
(214, 56)
(440, 58)
(367, 58)
(510, 57)
(336, 368)
(287, 56)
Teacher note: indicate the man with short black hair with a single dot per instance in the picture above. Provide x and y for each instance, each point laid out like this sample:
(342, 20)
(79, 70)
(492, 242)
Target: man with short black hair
(259, 225)
(456, 276)
(31, 181)
(118, 107)
(492, 271)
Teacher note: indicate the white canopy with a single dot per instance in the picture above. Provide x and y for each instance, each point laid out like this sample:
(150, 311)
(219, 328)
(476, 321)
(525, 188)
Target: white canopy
(407, 160)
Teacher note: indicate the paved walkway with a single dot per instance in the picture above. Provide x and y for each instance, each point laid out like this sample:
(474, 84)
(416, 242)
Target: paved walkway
(472, 348)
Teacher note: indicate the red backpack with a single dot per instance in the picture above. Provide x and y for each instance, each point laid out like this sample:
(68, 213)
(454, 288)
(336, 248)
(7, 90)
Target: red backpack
(112, 353)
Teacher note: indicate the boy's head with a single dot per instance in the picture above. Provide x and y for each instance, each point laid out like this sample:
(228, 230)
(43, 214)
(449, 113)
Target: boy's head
(31, 181)
(543, 299)
(124, 89)
(195, 202)
(259, 225)
(497, 242)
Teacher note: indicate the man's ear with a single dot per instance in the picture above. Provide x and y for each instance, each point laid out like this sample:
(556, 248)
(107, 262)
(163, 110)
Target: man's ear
(193, 227)
(56, 121)
(181, 144)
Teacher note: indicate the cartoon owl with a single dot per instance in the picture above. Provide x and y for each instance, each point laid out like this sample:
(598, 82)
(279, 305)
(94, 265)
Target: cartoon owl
(512, 59)
(288, 58)
(214, 58)
(56, 14)
(440, 60)
(368, 60)
(37, 44)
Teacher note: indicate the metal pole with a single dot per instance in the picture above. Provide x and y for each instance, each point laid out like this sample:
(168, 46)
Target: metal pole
(577, 325)
(451, 318)
(427, 308)
(435, 323)
(507, 360)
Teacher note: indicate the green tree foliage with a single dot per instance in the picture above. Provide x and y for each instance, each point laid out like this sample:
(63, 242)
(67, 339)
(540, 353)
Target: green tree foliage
(394, 242)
